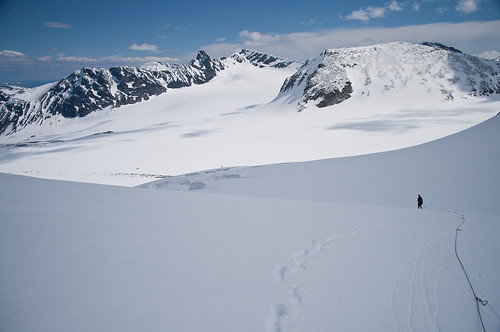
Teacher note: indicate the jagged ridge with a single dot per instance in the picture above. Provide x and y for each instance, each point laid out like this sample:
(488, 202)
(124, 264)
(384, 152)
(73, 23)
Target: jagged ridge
(93, 89)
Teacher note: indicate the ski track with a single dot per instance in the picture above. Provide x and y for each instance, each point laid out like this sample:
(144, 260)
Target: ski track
(417, 310)
(421, 305)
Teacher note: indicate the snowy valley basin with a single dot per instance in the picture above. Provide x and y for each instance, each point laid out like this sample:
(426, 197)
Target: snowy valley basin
(311, 223)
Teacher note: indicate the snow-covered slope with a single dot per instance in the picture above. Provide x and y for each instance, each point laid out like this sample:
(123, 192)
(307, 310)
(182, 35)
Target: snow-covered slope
(294, 257)
(410, 71)
(459, 173)
(232, 120)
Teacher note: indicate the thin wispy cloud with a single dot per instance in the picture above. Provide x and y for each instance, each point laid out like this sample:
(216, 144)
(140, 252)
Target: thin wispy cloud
(11, 60)
(61, 57)
(143, 47)
(311, 21)
(12, 54)
(114, 59)
(57, 25)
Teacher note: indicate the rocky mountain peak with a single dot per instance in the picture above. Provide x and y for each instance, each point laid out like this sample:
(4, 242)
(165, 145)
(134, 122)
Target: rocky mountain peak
(432, 70)
(92, 89)
(261, 60)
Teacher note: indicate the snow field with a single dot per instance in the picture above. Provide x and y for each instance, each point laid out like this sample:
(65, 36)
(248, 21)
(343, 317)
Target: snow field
(110, 258)
(270, 248)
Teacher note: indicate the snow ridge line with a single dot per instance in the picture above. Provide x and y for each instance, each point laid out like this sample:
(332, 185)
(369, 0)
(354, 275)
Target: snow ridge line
(476, 298)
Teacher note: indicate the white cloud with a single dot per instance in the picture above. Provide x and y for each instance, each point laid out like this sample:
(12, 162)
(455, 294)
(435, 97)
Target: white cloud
(252, 39)
(490, 55)
(470, 37)
(222, 39)
(468, 6)
(144, 47)
(45, 58)
(61, 57)
(376, 12)
(12, 54)
(365, 14)
(395, 6)
(57, 25)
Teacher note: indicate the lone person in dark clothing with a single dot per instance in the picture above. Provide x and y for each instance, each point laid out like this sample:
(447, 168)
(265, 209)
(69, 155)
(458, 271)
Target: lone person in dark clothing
(420, 201)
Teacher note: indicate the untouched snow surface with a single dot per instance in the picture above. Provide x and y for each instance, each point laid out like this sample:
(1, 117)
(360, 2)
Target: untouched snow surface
(229, 121)
(300, 255)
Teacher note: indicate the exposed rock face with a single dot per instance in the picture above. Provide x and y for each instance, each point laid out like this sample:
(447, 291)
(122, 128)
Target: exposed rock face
(332, 97)
(261, 59)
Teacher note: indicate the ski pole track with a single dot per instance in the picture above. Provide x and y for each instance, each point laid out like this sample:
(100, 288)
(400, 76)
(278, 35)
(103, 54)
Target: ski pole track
(441, 269)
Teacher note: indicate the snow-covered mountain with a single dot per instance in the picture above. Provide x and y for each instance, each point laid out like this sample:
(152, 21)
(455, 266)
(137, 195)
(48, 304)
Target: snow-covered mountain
(92, 89)
(235, 118)
(439, 72)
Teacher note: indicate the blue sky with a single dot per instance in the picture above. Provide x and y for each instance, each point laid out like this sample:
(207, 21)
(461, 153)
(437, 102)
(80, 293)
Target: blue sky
(44, 40)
